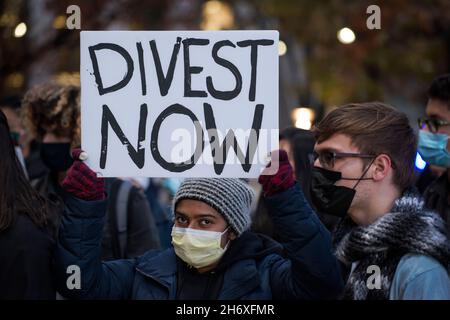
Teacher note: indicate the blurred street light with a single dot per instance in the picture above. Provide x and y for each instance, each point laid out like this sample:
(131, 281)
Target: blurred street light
(303, 118)
(15, 80)
(68, 78)
(20, 30)
(346, 35)
(217, 15)
(282, 48)
(59, 22)
(8, 20)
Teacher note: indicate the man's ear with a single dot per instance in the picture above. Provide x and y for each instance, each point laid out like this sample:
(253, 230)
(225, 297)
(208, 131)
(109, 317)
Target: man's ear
(382, 165)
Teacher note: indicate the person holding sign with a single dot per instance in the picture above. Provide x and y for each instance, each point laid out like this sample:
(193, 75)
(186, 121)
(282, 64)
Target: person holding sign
(177, 101)
(214, 255)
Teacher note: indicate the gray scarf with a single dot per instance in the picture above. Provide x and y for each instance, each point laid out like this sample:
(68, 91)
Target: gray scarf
(408, 228)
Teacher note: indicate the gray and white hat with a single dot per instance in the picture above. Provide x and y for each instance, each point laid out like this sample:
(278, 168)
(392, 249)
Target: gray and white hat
(232, 198)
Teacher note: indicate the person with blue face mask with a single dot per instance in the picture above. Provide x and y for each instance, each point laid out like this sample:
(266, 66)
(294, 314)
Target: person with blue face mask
(434, 145)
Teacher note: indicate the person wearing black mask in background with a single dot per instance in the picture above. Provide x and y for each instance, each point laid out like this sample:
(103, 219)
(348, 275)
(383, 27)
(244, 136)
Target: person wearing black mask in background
(51, 114)
(364, 172)
(26, 238)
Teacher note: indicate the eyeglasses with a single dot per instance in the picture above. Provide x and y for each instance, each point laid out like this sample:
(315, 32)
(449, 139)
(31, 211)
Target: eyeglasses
(327, 159)
(432, 124)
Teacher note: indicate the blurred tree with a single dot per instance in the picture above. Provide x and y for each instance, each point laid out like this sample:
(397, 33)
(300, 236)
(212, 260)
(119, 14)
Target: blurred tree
(411, 48)
(12, 49)
(47, 36)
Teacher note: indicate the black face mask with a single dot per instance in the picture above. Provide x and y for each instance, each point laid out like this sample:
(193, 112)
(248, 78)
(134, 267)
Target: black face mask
(56, 156)
(329, 198)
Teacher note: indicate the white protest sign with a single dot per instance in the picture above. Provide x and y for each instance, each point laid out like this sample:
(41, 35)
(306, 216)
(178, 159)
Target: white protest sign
(179, 103)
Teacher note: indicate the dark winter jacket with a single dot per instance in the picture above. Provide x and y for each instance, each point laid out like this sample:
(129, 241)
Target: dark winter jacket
(142, 234)
(26, 253)
(206, 286)
(310, 271)
(437, 198)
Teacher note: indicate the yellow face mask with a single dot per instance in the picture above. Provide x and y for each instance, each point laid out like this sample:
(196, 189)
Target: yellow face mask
(198, 248)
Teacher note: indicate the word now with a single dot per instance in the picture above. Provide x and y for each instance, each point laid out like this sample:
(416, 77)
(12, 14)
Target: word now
(138, 155)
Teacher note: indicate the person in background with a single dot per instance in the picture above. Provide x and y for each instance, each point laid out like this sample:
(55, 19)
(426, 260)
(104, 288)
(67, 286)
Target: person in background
(299, 146)
(52, 116)
(434, 145)
(429, 175)
(364, 170)
(261, 219)
(11, 109)
(214, 256)
(158, 196)
(27, 240)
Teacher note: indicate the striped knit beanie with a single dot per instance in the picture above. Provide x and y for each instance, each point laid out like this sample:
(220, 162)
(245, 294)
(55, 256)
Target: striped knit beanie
(232, 198)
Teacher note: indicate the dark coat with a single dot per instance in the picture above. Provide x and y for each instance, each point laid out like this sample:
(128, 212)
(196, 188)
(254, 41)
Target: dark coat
(437, 197)
(142, 234)
(309, 270)
(26, 254)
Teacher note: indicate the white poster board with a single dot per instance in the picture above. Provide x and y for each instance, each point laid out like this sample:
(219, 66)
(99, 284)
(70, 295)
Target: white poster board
(179, 103)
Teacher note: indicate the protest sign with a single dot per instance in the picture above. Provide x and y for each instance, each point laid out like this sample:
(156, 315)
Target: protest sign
(179, 103)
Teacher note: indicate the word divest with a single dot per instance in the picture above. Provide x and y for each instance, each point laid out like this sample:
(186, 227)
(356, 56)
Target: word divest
(179, 103)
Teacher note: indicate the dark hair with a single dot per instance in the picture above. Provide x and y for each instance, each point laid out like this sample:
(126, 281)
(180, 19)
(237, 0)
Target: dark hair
(16, 193)
(289, 133)
(12, 102)
(440, 89)
(375, 128)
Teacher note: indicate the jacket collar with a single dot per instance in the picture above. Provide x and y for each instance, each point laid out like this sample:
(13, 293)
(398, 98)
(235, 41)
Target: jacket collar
(239, 279)
(161, 266)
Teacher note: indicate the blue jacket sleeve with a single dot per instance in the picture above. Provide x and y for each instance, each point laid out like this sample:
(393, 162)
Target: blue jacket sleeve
(311, 270)
(420, 277)
(80, 273)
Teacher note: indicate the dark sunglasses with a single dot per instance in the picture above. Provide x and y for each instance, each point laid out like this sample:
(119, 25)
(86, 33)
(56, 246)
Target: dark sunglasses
(327, 159)
(432, 124)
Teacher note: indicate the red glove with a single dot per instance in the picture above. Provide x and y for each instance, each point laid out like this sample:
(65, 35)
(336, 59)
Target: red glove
(82, 182)
(280, 181)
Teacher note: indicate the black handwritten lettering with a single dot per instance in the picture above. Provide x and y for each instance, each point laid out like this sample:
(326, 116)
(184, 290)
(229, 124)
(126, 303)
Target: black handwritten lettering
(138, 154)
(224, 95)
(200, 143)
(98, 79)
